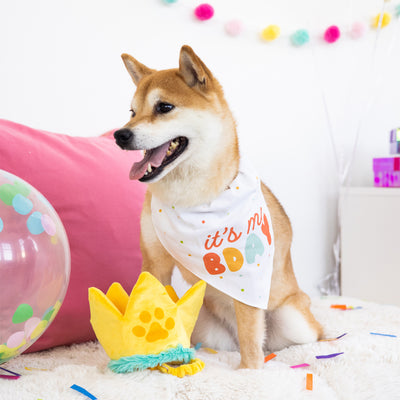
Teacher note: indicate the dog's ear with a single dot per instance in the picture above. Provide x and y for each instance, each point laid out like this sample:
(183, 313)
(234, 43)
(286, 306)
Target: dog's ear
(192, 69)
(136, 70)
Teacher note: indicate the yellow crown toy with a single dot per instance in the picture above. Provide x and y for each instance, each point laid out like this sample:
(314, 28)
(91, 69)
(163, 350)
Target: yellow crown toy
(148, 329)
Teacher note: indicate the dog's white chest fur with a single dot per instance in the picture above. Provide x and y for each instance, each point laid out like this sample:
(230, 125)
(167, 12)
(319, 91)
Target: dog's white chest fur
(228, 243)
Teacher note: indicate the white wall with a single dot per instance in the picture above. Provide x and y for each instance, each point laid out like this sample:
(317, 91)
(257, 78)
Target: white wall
(60, 70)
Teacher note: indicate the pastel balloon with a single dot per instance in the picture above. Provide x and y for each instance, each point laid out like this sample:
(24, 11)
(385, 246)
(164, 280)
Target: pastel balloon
(34, 263)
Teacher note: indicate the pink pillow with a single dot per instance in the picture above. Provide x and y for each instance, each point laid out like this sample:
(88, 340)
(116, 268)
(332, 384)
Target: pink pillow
(87, 182)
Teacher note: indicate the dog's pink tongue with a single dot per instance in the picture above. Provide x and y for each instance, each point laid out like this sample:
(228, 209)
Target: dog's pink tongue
(153, 156)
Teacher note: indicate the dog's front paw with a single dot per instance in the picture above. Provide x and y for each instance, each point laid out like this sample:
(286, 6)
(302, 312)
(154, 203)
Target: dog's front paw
(252, 362)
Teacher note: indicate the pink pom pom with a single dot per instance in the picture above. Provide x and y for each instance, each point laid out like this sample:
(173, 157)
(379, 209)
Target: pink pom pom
(332, 34)
(234, 27)
(204, 12)
(357, 30)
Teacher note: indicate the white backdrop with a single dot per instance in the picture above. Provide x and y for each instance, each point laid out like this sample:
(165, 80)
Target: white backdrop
(60, 70)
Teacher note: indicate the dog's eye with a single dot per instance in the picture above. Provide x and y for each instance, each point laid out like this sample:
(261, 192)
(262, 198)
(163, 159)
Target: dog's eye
(163, 108)
(132, 113)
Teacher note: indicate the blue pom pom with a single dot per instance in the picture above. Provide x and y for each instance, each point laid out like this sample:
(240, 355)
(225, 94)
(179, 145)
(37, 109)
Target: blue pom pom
(300, 37)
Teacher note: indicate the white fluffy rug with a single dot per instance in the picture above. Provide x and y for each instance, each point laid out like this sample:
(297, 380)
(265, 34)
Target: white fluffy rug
(368, 369)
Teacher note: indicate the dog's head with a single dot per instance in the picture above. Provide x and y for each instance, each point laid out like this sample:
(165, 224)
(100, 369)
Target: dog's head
(179, 117)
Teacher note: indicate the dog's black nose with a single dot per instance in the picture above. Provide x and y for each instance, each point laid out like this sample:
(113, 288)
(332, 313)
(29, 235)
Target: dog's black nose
(123, 137)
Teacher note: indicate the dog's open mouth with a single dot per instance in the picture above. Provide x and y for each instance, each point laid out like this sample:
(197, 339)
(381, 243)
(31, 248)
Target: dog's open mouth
(155, 160)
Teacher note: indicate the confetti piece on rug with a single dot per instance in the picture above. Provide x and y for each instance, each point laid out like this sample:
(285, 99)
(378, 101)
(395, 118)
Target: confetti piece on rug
(269, 357)
(80, 389)
(309, 382)
(343, 334)
(212, 351)
(339, 306)
(330, 340)
(300, 365)
(382, 334)
(329, 355)
(10, 372)
(35, 369)
(344, 307)
(198, 345)
(9, 377)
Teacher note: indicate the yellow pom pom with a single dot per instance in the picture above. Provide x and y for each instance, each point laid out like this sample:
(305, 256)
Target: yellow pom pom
(385, 20)
(270, 33)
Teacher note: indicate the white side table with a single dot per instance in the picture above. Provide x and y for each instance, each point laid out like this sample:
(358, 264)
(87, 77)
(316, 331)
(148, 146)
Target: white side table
(370, 268)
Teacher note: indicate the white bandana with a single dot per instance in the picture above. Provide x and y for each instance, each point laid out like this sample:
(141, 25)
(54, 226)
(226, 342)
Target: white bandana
(228, 243)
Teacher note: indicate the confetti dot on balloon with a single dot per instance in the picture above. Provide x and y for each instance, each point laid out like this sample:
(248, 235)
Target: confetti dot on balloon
(48, 225)
(234, 27)
(332, 34)
(8, 191)
(204, 11)
(300, 38)
(34, 223)
(357, 30)
(39, 329)
(1, 224)
(56, 309)
(22, 313)
(21, 204)
(48, 314)
(385, 20)
(15, 340)
(271, 32)
(31, 325)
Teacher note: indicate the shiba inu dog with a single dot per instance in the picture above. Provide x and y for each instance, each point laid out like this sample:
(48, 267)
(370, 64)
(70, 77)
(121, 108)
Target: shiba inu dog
(182, 122)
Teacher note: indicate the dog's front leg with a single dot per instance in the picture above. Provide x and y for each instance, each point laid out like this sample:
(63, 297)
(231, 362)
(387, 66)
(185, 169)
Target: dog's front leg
(251, 333)
(156, 259)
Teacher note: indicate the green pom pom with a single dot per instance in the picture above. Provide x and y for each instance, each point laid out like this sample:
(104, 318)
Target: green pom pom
(169, 1)
(397, 11)
(300, 37)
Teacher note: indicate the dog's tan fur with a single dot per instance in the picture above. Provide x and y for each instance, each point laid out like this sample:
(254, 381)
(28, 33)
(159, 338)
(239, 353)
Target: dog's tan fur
(196, 181)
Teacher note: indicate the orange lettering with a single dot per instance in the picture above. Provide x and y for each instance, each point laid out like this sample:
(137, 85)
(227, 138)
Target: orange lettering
(214, 241)
(213, 265)
(233, 258)
(233, 236)
(256, 219)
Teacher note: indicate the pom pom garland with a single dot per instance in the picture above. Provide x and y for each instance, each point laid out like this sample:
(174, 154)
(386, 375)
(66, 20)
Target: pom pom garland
(332, 34)
(234, 27)
(300, 38)
(204, 11)
(270, 33)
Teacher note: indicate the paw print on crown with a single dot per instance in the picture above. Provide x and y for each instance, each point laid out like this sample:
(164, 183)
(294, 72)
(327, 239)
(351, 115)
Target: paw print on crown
(155, 331)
